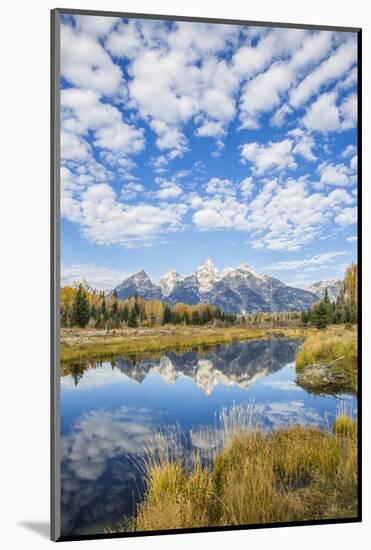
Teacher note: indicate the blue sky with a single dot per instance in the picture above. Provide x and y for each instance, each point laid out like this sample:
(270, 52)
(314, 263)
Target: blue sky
(187, 141)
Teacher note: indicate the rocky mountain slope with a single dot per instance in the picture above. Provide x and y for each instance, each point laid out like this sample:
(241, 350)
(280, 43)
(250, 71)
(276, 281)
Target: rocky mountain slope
(235, 290)
(332, 285)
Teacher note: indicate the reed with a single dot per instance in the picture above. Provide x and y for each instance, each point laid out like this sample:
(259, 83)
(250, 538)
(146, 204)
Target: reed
(289, 474)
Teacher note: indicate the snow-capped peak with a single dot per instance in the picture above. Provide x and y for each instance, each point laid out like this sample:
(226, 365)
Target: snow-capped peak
(168, 281)
(84, 283)
(233, 289)
(246, 268)
(332, 286)
(140, 276)
(206, 275)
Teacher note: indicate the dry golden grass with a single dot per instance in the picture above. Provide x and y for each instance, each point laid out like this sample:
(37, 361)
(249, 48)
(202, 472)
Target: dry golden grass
(345, 426)
(334, 351)
(79, 345)
(290, 474)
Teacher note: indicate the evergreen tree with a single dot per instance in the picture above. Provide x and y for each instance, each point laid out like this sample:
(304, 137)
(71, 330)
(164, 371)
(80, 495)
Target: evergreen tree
(329, 308)
(115, 304)
(103, 309)
(76, 370)
(98, 322)
(125, 313)
(132, 319)
(93, 312)
(320, 318)
(305, 317)
(167, 315)
(195, 318)
(80, 308)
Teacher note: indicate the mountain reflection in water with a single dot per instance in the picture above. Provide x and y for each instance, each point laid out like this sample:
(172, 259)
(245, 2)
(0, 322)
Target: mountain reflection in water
(240, 363)
(111, 411)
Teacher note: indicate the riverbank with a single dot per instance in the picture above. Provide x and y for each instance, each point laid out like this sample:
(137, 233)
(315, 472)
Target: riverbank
(289, 474)
(327, 361)
(77, 344)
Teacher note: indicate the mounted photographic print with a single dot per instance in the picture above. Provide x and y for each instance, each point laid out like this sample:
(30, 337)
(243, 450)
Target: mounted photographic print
(205, 297)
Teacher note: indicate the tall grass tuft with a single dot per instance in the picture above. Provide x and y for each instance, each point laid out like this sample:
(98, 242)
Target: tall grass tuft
(289, 474)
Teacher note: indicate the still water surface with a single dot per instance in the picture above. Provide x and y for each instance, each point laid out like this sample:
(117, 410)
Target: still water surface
(110, 411)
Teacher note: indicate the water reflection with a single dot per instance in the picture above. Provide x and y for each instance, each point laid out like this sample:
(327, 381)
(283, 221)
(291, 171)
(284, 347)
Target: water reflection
(240, 363)
(112, 410)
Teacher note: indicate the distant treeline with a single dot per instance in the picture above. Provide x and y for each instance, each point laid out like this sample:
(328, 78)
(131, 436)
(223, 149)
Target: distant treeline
(343, 310)
(82, 308)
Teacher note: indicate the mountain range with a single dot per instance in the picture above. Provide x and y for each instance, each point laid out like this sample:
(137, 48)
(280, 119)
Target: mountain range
(332, 286)
(240, 364)
(234, 289)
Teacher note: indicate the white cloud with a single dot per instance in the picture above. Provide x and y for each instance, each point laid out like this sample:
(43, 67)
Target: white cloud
(304, 146)
(334, 174)
(180, 79)
(125, 40)
(273, 156)
(70, 209)
(186, 80)
(354, 163)
(210, 128)
(247, 187)
(85, 63)
(169, 190)
(95, 26)
(201, 38)
(280, 217)
(331, 69)
(348, 110)
(105, 220)
(131, 190)
(352, 239)
(348, 216)
(218, 213)
(323, 114)
(349, 151)
(349, 81)
(321, 260)
(285, 217)
(99, 277)
(252, 59)
(208, 218)
(73, 147)
(83, 111)
(265, 91)
(100, 435)
(159, 163)
(217, 186)
(169, 138)
(120, 137)
(279, 117)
